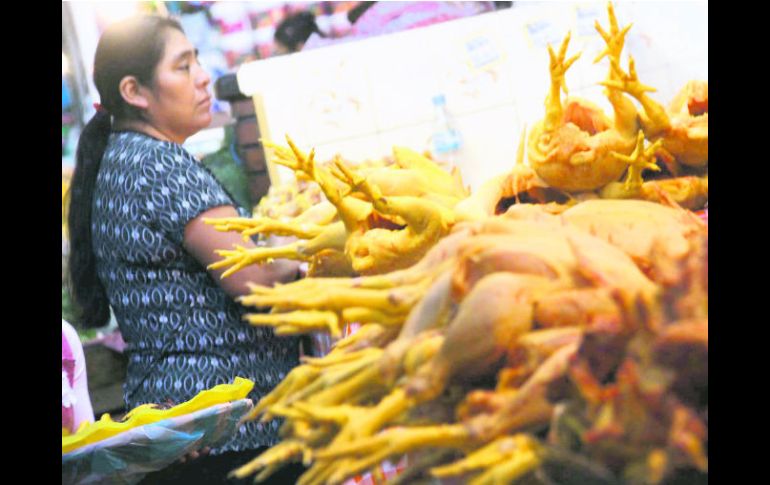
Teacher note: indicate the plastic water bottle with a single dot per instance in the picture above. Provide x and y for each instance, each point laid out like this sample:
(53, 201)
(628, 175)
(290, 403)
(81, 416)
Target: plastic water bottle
(446, 139)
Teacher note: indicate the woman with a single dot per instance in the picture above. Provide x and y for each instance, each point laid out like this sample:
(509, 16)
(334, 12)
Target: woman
(139, 243)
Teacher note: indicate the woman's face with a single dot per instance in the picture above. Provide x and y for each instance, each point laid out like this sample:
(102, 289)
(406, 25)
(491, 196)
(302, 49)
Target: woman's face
(179, 101)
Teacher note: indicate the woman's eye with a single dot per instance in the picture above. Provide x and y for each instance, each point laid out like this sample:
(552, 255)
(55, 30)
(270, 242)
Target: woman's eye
(186, 67)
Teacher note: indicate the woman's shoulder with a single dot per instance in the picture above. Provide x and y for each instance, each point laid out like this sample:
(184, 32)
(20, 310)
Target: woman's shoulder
(133, 139)
(129, 148)
(139, 149)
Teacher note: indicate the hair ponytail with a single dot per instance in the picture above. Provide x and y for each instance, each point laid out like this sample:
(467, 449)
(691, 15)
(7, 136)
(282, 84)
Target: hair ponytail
(131, 47)
(90, 298)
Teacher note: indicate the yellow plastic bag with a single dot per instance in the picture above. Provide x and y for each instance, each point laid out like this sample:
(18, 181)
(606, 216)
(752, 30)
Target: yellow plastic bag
(149, 413)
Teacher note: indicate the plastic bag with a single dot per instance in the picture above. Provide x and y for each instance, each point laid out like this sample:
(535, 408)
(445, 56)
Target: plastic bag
(149, 413)
(127, 457)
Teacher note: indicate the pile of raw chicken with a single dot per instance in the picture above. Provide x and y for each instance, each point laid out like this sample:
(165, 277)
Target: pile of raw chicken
(551, 328)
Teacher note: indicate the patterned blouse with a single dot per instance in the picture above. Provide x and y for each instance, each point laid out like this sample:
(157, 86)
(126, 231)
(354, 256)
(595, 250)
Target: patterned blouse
(184, 334)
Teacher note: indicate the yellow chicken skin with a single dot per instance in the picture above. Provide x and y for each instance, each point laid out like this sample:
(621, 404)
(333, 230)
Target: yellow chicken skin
(570, 149)
(508, 272)
(383, 218)
(417, 176)
(520, 185)
(533, 296)
(683, 127)
(374, 250)
(689, 192)
(516, 291)
(688, 137)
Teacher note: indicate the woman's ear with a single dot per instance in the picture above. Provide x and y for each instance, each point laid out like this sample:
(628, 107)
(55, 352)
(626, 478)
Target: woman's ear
(133, 93)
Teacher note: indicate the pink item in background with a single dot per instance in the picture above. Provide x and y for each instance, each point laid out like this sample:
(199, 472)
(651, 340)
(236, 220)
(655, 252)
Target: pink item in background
(112, 340)
(388, 17)
(67, 383)
(387, 470)
(76, 403)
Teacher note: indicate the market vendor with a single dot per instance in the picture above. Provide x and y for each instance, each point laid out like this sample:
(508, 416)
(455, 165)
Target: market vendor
(139, 244)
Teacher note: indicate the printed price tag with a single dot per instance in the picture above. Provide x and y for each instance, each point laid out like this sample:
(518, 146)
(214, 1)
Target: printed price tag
(541, 33)
(586, 17)
(482, 52)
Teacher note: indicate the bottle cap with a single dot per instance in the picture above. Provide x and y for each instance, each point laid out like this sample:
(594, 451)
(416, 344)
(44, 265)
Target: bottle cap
(439, 99)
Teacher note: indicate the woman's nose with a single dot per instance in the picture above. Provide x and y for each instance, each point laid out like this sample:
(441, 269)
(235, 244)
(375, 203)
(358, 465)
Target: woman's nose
(204, 79)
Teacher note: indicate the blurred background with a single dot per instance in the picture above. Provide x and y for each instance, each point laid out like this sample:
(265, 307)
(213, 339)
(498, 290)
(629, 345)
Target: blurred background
(227, 34)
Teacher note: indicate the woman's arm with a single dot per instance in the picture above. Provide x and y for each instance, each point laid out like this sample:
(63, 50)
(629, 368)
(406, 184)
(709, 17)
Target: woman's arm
(201, 240)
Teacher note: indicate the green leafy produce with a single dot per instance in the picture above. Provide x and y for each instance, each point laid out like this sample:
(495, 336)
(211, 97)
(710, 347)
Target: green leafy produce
(232, 176)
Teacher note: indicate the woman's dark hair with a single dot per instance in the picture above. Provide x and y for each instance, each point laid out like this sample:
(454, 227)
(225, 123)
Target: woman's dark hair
(293, 31)
(132, 47)
(355, 13)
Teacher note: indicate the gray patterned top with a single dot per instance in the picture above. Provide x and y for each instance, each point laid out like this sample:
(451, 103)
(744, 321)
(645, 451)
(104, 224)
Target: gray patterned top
(183, 333)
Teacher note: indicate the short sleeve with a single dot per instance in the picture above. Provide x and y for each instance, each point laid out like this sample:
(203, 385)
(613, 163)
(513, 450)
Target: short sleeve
(180, 190)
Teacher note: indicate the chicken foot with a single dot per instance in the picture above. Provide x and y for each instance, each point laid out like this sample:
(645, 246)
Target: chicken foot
(332, 237)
